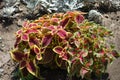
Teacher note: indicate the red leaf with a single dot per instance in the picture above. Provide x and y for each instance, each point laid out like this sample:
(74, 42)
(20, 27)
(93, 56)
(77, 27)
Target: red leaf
(64, 22)
(31, 67)
(46, 40)
(65, 56)
(34, 41)
(36, 49)
(18, 40)
(57, 49)
(115, 53)
(38, 56)
(22, 64)
(17, 55)
(79, 18)
(62, 34)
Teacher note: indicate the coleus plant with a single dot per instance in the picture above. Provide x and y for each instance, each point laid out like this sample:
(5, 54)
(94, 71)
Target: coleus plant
(66, 40)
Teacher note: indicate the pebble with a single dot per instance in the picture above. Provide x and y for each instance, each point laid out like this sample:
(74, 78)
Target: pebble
(0, 39)
(2, 45)
(1, 71)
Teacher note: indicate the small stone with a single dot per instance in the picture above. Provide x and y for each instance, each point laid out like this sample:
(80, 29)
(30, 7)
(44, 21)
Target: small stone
(1, 71)
(0, 39)
(20, 22)
(2, 45)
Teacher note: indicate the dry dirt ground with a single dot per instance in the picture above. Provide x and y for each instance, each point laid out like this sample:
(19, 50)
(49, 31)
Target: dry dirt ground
(7, 39)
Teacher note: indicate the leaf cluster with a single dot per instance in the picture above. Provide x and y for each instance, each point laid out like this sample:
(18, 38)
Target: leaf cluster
(65, 40)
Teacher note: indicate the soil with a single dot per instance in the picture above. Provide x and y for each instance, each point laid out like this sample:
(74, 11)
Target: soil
(7, 38)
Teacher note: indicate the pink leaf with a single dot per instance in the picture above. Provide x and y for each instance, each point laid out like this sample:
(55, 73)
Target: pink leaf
(19, 32)
(65, 56)
(83, 71)
(25, 37)
(46, 40)
(83, 53)
(79, 18)
(55, 20)
(29, 31)
(51, 27)
(32, 24)
(62, 34)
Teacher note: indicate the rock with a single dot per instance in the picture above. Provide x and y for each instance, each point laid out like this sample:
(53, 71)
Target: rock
(20, 22)
(8, 11)
(95, 16)
(1, 70)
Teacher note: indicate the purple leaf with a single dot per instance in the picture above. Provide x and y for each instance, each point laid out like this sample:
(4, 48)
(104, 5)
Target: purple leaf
(46, 40)
(62, 34)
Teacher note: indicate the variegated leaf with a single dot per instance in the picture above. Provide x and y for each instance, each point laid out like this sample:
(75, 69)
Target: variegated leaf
(32, 68)
(46, 40)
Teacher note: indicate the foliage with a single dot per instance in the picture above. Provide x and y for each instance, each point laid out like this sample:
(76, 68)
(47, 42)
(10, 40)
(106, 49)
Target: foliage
(64, 40)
